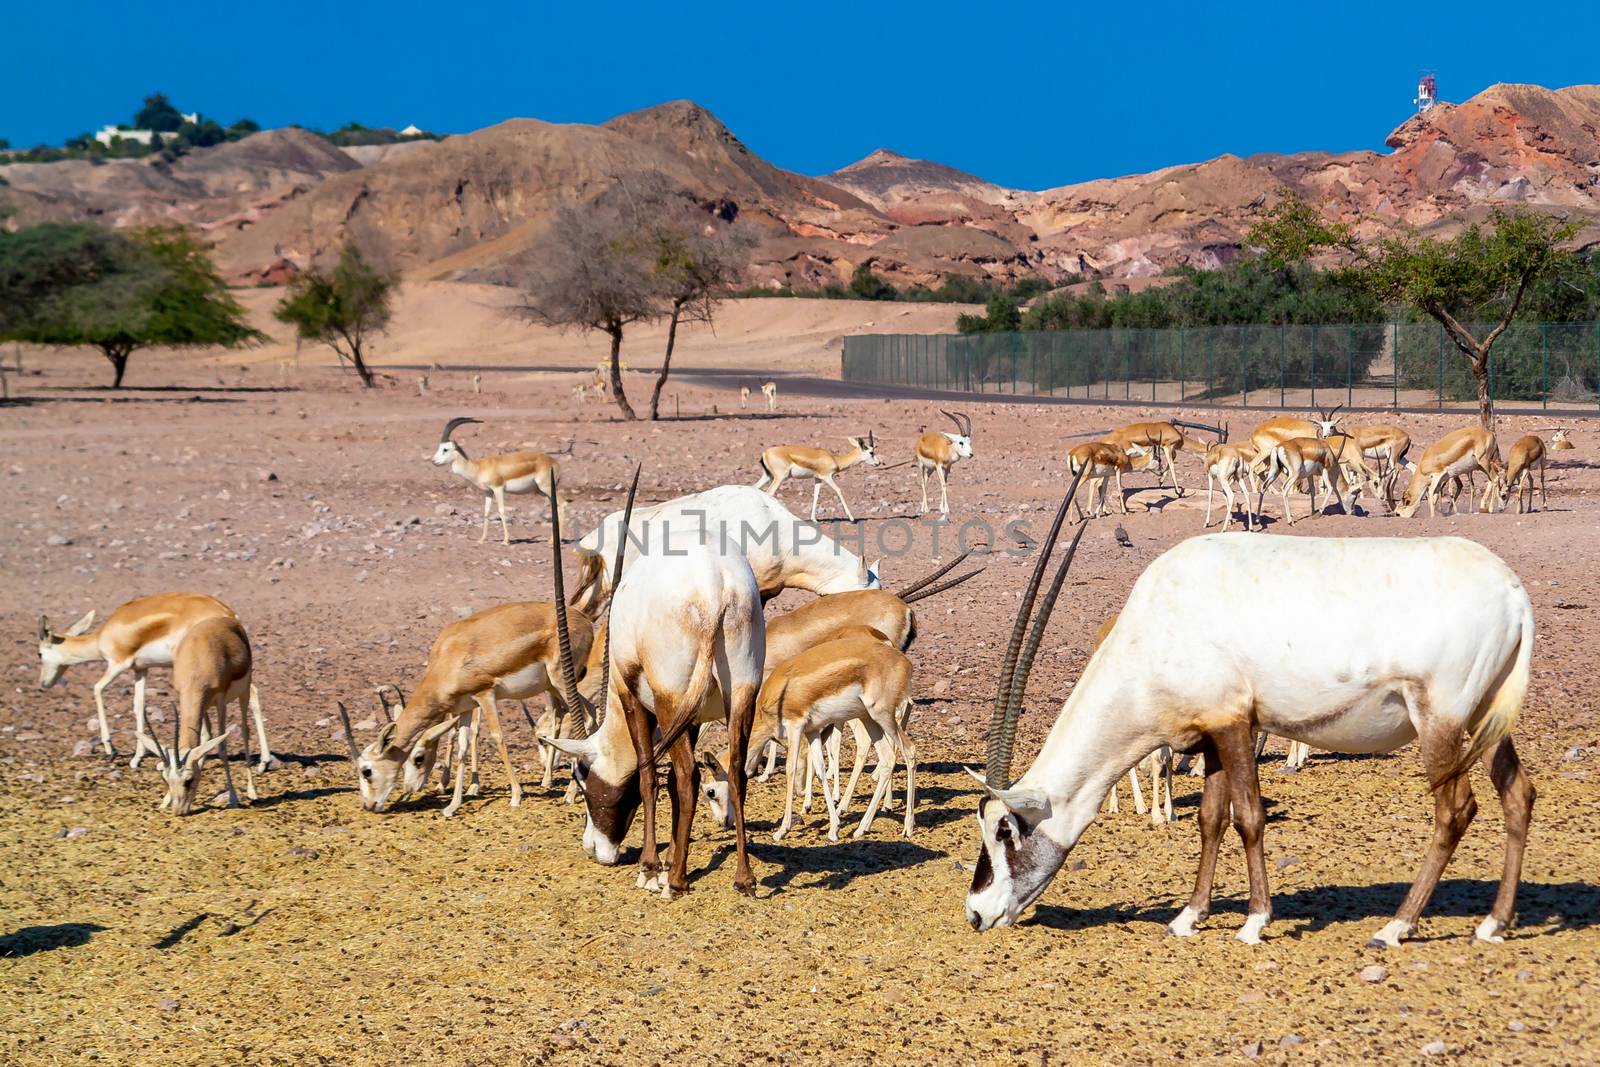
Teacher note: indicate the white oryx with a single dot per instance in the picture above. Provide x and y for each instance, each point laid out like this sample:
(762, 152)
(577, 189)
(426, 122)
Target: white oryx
(1451, 659)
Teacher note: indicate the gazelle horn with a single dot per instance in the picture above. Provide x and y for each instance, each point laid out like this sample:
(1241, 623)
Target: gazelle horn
(349, 734)
(616, 580)
(1002, 725)
(569, 685)
(450, 427)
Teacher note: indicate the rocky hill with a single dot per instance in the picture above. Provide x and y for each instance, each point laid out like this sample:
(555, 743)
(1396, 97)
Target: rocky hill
(468, 206)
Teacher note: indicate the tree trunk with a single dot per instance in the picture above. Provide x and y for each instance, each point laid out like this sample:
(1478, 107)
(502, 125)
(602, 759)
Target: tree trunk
(616, 373)
(666, 362)
(1480, 372)
(361, 366)
(119, 361)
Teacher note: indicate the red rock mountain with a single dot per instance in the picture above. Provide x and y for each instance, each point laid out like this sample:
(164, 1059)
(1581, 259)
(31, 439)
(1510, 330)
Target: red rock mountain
(467, 206)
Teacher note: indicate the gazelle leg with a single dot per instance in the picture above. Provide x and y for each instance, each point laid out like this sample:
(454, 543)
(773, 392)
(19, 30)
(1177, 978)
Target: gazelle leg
(816, 494)
(1227, 496)
(100, 703)
(861, 743)
(1210, 495)
(488, 502)
(886, 753)
(1112, 805)
(772, 761)
(1544, 504)
(500, 502)
(908, 753)
(1138, 794)
(791, 765)
(142, 742)
(1516, 798)
(447, 760)
(252, 700)
(1453, 810)
(475, 786)
(944, 491)
(261, 729)
(458, 771)
(819, 759)
(1213, 817)
(227, 771)
(491, 718)
(1161, 776)
(923, 471)
(835, 487)
(1122, 498)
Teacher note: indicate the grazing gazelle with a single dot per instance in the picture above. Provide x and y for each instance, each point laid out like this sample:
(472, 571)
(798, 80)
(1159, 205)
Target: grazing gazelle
(1161, 440)
(938, 451)
(1313, 459)
(211, 668)
(1231, 464)
(1100, 464)
(1452, 658)
(1458, 452)
(1524, 456)
(769, 390)
(141, 634)
(781, 462)
(497, 475)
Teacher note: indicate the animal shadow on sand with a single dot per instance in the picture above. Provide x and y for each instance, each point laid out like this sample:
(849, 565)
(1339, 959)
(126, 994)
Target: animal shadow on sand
(32, 939)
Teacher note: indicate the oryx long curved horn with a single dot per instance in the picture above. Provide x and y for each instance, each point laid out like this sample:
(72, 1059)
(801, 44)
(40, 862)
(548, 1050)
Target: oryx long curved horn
(923, 594)
(1002, 732)
(451, 426)
(929, 579)
(569, 683)
(1025, 665)
(616, 580)
(349, 734)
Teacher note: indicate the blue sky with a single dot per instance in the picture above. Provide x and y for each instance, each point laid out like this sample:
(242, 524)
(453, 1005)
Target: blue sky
(1025, 95)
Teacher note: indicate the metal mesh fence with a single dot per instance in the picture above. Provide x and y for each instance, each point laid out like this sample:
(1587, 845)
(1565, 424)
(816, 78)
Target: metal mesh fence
(1359, 365)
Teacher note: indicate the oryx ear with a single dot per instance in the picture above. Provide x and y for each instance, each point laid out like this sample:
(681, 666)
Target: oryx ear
(82, 625)
(871, 574)
(1018, 801)
(580, 748)
(434, 732)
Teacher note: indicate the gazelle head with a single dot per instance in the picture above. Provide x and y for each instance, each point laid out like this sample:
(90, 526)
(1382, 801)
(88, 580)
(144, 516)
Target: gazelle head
(53, 658)
(1327, 421)
(1562, 439)
(181, 772)
(1017, 859)
(387, 772)
(962, 438)
(868, 446)
(448, 451)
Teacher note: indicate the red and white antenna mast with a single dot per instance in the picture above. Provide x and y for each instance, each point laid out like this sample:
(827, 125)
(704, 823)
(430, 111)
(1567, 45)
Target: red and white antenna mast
(1427, 92)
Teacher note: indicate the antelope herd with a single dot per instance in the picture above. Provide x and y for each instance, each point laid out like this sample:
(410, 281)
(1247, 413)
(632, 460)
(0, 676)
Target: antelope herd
(665, 634)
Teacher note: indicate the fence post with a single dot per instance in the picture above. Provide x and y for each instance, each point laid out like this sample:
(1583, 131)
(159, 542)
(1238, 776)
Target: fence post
(1244, 369)
(1013, 364)
(1394, 363)
(1127, 371)
(1211, 347)
(1283, 358)
(1033, 358)
(1349, 361)
(1544, 346)
(1183, 379)
(1313, 366)
(1441, 367)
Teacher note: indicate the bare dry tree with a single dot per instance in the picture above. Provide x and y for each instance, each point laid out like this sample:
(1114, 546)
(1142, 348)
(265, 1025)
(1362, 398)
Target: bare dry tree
(697, 262)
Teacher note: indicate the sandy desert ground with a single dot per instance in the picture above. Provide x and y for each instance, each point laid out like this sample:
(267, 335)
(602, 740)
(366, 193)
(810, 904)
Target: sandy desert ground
(303, 930)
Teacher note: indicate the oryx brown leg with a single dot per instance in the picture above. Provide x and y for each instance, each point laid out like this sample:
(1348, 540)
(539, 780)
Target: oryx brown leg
(1516, 799)
(641, 728)
(683, 795)
(1213, 817)
(1453, 809)
(1236, 748)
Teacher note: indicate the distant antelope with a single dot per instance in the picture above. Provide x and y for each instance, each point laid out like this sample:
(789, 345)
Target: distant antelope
(497, 475)
(1302, 459)
(141, 634)
(1452, 660)
(744, 395)
(1100, 464)
(1518, 474)
(938, 452)
(770, 391)
(212, 667)
(781, 462)
(1162, 440)
(1459, 452)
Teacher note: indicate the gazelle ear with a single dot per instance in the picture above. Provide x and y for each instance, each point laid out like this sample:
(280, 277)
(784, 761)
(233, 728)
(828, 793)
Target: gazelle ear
(205, 748)
(82, 625)
(385, 737)
(433, 733)
(580, 748)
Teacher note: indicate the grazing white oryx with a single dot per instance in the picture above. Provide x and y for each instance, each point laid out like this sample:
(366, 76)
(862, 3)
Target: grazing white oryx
(1100, 464)
(211, 668)
(1524, 456)
(510, 652)
(784, 550)
(1162, 441)
(686, 643)
(939, 451)
(781, 462)
(770, 391)
(1452, 659)
(857, 676)
(1458, 452)
(141, 634)
(497, 475)
(1230, 464)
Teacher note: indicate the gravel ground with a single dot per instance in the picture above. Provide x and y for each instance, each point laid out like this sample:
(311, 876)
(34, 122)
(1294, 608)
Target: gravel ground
(304, 930)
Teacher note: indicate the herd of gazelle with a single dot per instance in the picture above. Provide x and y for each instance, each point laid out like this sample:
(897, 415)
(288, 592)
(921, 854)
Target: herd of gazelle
(684, 642)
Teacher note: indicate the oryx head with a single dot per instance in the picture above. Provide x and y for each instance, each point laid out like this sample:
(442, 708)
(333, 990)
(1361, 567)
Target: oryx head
(448, 451)
(181, 771)
(610, 786)
(1017, 859)
(53, 658)
(962, 438)
(1327, 420)
(868, 446)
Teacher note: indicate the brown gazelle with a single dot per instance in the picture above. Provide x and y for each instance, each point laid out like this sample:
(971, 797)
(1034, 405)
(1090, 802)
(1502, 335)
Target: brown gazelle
(141, 634)
(1458, 452)
(856, 676)
(938, 452)
(212, 668)
(1524, 456)
(497, 475)
(1162, 439)
(782, 462)
(769, 390)
(1452, 661)
(1100, 464)
(1312, 459)
(510, 652)
(1230, 464)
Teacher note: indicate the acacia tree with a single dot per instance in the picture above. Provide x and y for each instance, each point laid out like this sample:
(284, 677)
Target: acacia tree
(696, 264)
(1482, 269)
(341, 308)
(78, 284)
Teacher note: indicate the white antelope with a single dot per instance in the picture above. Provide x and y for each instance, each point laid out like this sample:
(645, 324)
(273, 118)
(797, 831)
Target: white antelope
(781, 462)
(1099, 464)
(938, 452)
(1459, 452)
(510, 652)
(1452, 658)
(141, 634)
(770, 391)
(497, 475)
(1158, 764)
(211, 668)
(784, 550)
(686, 643)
